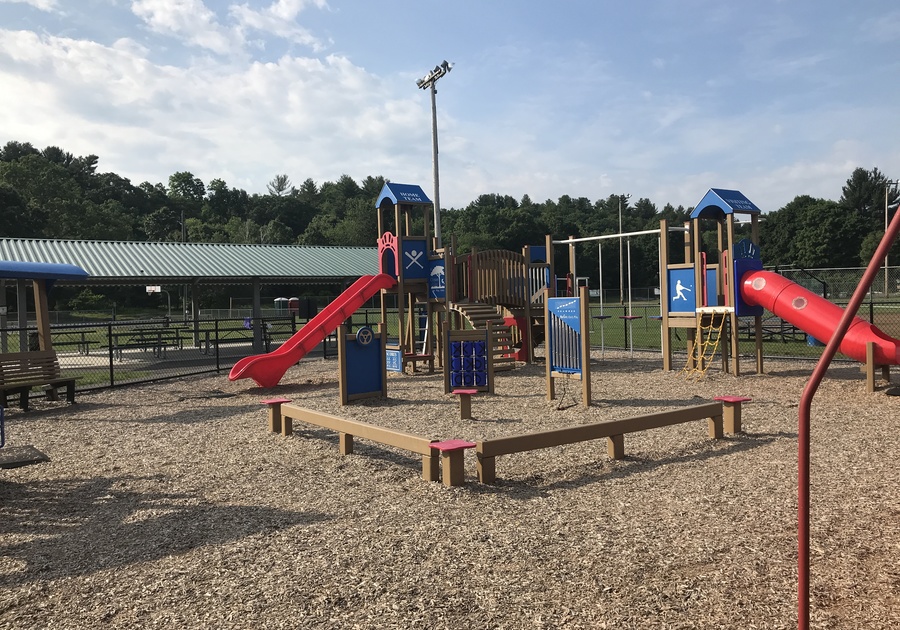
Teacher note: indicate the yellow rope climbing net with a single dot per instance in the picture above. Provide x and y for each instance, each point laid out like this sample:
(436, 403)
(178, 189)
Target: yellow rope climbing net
(706, 343)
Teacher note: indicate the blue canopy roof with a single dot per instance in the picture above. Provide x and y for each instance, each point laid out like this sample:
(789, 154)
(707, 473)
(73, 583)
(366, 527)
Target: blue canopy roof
(722, 201)
(402, 193)
(40, 271)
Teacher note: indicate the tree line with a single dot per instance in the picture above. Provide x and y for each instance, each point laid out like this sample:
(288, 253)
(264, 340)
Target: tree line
(50, 193)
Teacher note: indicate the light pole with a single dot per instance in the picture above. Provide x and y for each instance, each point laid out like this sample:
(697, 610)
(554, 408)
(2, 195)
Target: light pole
(427, 82)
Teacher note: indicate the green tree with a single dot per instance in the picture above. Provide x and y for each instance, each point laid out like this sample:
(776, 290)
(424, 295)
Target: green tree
(809, 233)
(16, 219)
(14, 150)
(276, 233)
(183, 185)
(280, 186)
(161, 224)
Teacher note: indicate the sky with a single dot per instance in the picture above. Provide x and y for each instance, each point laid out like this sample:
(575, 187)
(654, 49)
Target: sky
(657, 99)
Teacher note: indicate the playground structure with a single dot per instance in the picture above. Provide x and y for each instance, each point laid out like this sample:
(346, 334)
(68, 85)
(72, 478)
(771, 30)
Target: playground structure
(709, 292)
(497, 291)
(471, 290)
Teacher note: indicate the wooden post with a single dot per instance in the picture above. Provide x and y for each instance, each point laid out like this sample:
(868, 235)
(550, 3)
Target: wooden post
(465, 402)
(431, 467)
(615, 446)
(666, 337)
(585, 348)
(548, 360)
(486, 467)
(42, 315)
(551, 276)
(733, 291)
(715, 427)
(870, 368)
(345, 443)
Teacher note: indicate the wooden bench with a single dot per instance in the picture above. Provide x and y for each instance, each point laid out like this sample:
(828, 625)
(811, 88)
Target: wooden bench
(21, 371)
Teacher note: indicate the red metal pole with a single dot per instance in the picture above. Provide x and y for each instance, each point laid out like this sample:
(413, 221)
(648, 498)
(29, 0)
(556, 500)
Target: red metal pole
(803, 430)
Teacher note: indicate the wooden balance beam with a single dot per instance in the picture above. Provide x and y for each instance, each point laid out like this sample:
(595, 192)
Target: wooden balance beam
(488, 450)
(282, 414)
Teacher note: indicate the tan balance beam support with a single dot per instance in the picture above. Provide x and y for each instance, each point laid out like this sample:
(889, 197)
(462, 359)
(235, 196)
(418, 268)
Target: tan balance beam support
(614, 430)
(275, 423)
(465, 402)
(349, 429)
(452, 461)
(731, 412)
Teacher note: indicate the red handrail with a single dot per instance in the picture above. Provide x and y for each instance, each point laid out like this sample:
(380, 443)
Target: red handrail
(803, 431)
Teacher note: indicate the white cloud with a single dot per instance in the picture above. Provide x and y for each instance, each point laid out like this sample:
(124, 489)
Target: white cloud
(42, 5)
(243, 123)
(189, 20)
(279, 19)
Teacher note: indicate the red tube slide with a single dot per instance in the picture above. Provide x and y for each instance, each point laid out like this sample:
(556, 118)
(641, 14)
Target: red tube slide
(816, 316)
(267, 369)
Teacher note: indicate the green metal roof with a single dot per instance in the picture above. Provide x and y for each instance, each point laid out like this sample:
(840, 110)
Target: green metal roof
(122, 262)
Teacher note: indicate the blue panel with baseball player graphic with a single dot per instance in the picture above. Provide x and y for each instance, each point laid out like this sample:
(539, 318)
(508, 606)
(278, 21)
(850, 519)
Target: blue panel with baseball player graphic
(682, 296)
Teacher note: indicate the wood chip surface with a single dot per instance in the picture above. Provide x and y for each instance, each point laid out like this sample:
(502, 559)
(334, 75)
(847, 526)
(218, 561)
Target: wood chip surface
(169, 505)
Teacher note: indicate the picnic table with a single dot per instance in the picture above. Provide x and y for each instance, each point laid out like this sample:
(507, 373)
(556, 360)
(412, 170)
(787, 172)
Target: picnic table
(156, 340)
(80, 339)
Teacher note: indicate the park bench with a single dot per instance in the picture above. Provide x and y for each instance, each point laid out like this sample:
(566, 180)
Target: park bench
(22, 371)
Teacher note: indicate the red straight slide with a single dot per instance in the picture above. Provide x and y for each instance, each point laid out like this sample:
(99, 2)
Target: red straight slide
(816, 316)
(267, 369)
